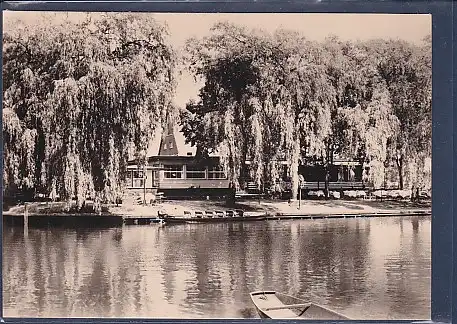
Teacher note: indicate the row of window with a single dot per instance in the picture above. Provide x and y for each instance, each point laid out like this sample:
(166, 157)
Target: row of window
(136, 178)
(176, 172)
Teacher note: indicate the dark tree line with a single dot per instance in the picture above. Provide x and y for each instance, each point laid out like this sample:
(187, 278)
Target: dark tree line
(269, 98)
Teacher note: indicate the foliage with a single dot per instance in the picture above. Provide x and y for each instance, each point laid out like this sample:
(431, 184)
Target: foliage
(268, 98)
(263, 95)
(77, 97)
(407, 70)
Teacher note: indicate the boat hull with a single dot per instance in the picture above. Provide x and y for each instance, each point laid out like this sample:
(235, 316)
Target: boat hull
(197, 220)
(274, 305)
(262, 314)
(143, 221)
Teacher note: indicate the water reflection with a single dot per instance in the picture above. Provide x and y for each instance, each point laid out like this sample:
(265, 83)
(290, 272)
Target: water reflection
(364, 268)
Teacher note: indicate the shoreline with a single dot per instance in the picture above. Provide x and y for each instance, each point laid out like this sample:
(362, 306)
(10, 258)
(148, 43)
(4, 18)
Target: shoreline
(186, 212)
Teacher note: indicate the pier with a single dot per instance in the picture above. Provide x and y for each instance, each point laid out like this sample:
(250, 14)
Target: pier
(285, 216)
(63, 220)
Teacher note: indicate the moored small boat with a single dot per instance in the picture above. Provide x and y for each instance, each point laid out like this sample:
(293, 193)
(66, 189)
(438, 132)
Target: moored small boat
(274, 305)
(143, 220)
(220, 218)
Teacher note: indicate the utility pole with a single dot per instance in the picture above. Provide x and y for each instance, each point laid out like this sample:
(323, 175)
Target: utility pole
(299, 197)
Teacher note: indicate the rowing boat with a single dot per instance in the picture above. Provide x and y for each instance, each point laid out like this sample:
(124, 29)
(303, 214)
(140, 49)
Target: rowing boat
(213, 219)
(274, 305)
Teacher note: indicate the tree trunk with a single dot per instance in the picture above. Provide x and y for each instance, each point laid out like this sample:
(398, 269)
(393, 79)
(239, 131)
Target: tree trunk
(327, 172)
(400, 171)
(294, 168)
(230, 201)
(243, 169)
(97, 203)
(68, 204)
(326, 186)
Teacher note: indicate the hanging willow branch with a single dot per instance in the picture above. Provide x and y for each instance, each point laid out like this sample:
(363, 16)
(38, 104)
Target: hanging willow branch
(281, 97)
(88, 99)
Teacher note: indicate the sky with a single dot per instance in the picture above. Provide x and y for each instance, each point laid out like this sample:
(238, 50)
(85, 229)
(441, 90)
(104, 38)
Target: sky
(315, 26)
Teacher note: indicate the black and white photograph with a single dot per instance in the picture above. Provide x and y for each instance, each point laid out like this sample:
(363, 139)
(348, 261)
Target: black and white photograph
(217, 165)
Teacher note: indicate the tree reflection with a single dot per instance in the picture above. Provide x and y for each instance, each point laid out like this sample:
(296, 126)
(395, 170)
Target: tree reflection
(209, 270)
(408, 272)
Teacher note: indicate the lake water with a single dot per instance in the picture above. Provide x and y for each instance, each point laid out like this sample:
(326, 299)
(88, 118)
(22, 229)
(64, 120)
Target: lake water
(376, 268)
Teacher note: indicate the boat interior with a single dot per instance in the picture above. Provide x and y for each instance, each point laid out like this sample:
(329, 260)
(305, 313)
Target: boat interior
(280, 306)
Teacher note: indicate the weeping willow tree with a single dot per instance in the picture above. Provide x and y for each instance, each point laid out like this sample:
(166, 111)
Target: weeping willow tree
(263, 95)
(77, 98)
(406, 69)
(388, 123)
(279, 97)
(361, 117)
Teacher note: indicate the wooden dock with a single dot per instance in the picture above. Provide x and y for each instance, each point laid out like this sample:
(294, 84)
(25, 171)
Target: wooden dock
(77, 220)
(285, 216)
(63, 220)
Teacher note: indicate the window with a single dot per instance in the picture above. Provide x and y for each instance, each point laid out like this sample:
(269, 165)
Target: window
(136, 179)
(195, 172)
(172, 171)
(216, 172)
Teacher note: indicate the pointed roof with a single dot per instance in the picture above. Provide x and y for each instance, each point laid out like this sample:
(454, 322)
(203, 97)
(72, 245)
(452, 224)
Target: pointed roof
(174, 143)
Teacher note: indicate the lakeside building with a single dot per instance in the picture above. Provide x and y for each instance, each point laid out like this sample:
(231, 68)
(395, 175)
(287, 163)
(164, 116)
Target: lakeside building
(175, 171)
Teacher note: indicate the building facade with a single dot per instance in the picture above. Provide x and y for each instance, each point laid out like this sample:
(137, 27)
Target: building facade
(177, 172)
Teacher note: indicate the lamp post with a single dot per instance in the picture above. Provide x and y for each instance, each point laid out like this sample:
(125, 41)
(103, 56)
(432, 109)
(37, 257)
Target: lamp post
(144, 184)
(301, 180)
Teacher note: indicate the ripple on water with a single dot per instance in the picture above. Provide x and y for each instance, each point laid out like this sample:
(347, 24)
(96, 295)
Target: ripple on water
(366, 269)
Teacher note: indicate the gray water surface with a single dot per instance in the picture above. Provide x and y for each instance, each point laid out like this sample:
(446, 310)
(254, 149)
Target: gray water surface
(376, 268)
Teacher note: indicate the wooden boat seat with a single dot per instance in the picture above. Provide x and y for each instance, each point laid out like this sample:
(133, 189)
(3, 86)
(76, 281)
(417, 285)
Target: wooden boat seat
(283, 313)
(288, 306)
(272, 305)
